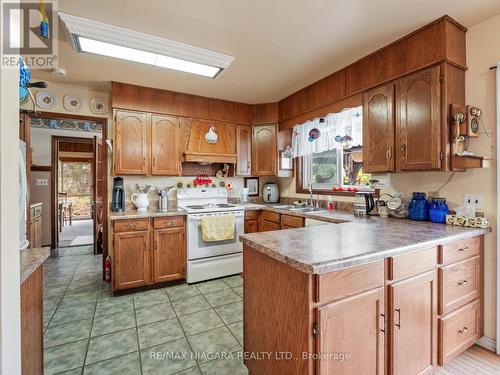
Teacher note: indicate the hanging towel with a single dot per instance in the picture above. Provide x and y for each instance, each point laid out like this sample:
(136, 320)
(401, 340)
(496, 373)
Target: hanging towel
(217, 227)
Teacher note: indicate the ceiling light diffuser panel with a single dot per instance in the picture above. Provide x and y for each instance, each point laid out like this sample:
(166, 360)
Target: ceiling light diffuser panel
(107, 40)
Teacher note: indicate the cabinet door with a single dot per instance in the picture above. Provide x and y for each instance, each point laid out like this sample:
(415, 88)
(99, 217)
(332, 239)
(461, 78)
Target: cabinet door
(130, 154)
(131, 260)
(356, 326)
(244, 150)
(413, 315)
(165, 152)
(418, 121)
(378, 129)
(269, 225)
(251, 226)
(169, 255)
(38, 232)
(264, 150)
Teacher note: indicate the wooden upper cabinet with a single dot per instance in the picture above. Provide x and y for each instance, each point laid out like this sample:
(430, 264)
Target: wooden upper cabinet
(418, 121)
(378, 129)
(264, 151)
(130, 154)
(244, 150)
(165, 153)
(131, 260)
(169, 255)
(356, 326)
(414, 325)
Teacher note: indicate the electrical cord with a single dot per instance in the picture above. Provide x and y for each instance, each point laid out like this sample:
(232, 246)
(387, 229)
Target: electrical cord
(446, 183)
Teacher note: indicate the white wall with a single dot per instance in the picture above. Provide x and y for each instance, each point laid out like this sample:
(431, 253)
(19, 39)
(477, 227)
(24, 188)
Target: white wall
(10, 322)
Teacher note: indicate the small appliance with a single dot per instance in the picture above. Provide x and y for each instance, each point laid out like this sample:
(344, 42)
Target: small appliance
(363, 204)
(270, 192)
(118, 195)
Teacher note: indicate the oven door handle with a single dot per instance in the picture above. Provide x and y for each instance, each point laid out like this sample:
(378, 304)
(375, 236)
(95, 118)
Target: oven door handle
(198, 217)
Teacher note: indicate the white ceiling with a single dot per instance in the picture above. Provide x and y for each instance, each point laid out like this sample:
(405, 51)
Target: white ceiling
(280, 46)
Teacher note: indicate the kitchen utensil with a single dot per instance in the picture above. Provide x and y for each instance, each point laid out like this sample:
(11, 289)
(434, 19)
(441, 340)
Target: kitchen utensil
(141, 201)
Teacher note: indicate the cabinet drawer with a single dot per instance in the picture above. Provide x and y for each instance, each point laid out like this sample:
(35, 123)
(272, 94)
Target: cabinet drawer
(168, 222)
(251, 215)
(458, 331)
(251, 226)
(412, 264)
(130, 225)
(292, 221)
(344, 283)
(459, 283)
(271, 216)
(459, 250)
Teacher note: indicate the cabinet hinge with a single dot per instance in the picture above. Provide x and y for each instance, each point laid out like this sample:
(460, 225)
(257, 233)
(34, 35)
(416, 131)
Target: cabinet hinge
(315, 329)
(441, 155)
(441, 78)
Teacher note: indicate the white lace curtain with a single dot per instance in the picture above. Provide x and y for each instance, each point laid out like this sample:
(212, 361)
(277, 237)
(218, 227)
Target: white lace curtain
(335, 126)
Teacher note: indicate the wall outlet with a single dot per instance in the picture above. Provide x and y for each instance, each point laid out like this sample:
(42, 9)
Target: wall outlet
(475, 199)
(42, 182)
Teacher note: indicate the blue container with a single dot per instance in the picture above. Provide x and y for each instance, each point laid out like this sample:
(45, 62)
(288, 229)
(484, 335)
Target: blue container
(419, 207)
(438, 210)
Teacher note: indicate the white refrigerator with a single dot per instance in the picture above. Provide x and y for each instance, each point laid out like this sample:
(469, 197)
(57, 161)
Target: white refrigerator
(23, 188)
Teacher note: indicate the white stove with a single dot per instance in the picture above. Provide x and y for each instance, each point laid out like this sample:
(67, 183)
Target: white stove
(210, 260)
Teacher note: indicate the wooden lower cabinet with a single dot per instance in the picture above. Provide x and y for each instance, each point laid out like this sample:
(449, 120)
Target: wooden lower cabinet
(169, 255)
(32, 324)
(251, 226)
(413, 322)
(148, 251)
(131, 260)
(269, 225)
(355, 327)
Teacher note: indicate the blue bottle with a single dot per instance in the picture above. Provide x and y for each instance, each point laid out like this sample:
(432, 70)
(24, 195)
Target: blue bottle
(419, 207)
(438, 210)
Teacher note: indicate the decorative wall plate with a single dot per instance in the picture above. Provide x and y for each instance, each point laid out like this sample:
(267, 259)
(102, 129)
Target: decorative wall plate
(72, 103)
(45, 99)
(211, 136)
(98, 106)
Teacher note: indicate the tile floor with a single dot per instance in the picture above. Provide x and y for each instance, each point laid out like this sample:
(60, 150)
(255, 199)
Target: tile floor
(174, 330)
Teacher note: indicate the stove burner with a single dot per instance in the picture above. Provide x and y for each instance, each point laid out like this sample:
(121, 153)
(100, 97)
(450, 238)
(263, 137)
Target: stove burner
(196, 207)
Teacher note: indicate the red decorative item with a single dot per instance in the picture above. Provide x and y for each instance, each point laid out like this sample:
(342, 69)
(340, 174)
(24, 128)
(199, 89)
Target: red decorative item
(107, 269)
(355, 189)
(202, 179)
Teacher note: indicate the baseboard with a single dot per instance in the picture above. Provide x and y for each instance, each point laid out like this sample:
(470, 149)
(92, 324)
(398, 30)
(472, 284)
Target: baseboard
(487, 343)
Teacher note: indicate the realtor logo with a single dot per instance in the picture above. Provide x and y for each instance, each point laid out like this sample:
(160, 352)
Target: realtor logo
(29, 29)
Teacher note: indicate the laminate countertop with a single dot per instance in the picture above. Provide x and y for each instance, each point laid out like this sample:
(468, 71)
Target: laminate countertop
(31, 259)
(352, 241)
(134, 214)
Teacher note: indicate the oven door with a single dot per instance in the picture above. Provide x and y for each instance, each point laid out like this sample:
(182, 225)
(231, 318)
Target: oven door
(199, 249)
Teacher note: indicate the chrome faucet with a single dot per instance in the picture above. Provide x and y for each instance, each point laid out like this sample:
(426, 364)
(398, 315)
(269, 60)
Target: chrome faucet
(311, 200)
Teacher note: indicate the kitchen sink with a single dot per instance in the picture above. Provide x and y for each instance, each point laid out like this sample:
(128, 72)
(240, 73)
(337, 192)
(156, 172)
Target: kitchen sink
(283, 206)
(308, 209)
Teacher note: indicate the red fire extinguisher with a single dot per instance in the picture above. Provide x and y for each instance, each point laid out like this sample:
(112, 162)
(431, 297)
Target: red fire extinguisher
(107, 269)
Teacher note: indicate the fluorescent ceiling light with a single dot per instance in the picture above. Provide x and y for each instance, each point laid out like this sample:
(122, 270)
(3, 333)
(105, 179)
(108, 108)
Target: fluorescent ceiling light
(107, 40)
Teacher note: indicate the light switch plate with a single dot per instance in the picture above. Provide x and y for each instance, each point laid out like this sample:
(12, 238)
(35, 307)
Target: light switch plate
(42, 182)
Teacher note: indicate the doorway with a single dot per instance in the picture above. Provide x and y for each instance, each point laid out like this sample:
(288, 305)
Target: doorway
(75, 180)
(68, 163)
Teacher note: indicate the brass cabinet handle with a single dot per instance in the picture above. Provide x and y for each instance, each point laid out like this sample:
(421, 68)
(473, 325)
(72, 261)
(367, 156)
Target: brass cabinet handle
(461, 331)
(388, 154)
(403, 149)
(154, 161)
(398, 324)
(460, 283)
(132, 225)
(466, 248)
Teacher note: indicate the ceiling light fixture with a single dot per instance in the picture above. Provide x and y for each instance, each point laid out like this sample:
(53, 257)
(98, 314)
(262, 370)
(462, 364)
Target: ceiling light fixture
(112, 41)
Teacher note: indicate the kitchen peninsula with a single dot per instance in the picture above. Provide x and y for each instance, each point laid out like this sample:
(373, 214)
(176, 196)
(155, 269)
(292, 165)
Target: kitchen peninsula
(344, 298)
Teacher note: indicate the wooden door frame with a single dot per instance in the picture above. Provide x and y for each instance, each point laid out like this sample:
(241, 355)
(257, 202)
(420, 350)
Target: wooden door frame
(104, 133)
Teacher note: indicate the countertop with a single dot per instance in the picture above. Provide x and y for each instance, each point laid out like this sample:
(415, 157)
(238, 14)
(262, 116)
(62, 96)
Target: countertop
(352, 241)
(31, 259)
(134, 214)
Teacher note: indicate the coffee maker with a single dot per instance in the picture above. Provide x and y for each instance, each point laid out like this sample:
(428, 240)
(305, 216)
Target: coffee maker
(118, 195)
